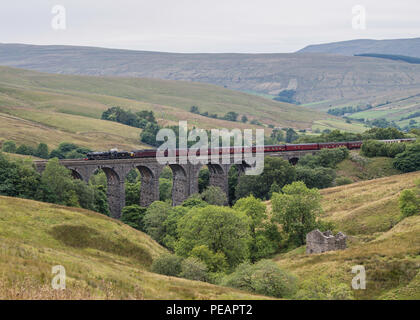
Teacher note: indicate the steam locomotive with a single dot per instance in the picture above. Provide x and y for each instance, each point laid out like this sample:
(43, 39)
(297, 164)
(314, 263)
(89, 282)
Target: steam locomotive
(151, 153)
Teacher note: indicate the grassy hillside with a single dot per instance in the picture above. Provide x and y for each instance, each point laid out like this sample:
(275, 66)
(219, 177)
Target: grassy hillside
(392, 106)
(103, 258)
(387, 247)
(314, 76)
(54, 108)
(359, 168)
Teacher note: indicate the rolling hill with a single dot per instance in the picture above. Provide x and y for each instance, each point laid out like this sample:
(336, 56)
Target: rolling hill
(314, 76)
(102, 257)
(378, 239)
(54, 108)
(406, 47)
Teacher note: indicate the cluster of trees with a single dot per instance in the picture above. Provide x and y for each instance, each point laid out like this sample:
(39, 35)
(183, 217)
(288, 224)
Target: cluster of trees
(225, 245)
(338, 136)
(65, 150)
(406, 155)
(350, 109)
(375, 148)
(316, 171)
(229, 116)
(287, 96)
(411, 116)
(138, 119)
(55, 185)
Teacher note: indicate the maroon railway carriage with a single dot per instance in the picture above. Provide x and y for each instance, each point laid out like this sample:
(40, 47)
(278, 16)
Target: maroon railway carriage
(150, 153)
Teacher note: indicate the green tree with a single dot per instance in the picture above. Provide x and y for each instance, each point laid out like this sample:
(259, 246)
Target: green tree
(101, 199)
(215, 262)
(57, 185)
(221, 229)
(18, 178)
(265, 277)
(297, 209)
(26, 150)
(193, 269)
(318, 177)
(215, 196)
(132, 193)
(154, 219)
(9, 146)
(261, 245)
(409, 201)
(409, 160)
(134, 216)
(167, 264)
(276, 170)
(42, 151)
(291, 135)
(165, 189)
(244, 119)
(171, 224)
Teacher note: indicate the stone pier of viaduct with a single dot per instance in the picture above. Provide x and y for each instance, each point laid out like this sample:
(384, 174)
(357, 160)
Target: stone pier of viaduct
(185, 176)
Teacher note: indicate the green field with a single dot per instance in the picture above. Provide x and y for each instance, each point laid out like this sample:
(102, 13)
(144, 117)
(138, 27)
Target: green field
(38, 107)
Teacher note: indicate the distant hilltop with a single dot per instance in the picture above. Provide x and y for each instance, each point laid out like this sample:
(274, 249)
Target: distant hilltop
(405, 47)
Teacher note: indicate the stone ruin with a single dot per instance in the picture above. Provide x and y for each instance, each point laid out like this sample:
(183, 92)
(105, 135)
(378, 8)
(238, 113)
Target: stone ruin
(318, 242)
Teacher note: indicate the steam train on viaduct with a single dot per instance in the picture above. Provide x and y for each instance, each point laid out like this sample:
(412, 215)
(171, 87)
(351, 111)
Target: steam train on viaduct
(151, 153)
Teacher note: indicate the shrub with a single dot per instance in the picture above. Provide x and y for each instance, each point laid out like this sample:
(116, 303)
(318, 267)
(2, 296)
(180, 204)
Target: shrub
(409, 202)
(324, 288)
(167, 264)
(341, 181)
(193, 269)
(265, 277)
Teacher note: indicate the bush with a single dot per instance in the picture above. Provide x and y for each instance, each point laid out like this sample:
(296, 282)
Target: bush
(193, 269)
(265, 277)
(324, 288)
(168, 265)
(341, 181)
(409, 202)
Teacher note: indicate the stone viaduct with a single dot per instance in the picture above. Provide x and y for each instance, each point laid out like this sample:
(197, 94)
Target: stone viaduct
(185, 176)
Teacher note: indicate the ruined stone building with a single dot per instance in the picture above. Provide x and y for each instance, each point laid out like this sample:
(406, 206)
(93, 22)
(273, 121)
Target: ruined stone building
(318, 242)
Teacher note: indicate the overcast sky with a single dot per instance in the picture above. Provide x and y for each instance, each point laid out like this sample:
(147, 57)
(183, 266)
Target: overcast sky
(206, 25)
